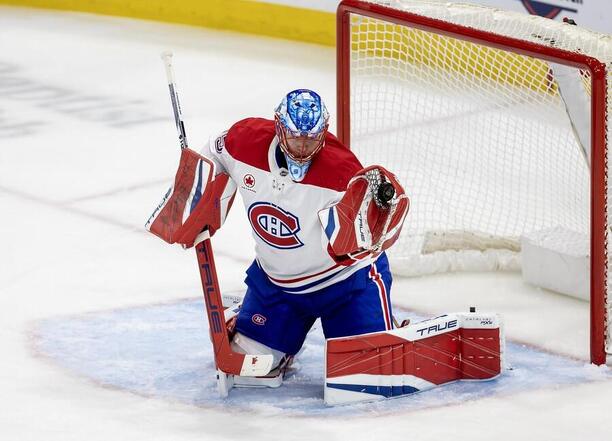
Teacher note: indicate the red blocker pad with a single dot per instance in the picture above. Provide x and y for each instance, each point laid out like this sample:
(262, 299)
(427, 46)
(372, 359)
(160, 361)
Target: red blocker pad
(417, 357)
(197, 200)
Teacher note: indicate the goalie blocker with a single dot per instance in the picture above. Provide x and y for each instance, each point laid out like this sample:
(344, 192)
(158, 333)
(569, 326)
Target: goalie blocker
(413, 358)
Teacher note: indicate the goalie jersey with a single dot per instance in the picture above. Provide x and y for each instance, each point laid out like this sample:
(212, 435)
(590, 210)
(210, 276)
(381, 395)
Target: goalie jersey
(291, 246)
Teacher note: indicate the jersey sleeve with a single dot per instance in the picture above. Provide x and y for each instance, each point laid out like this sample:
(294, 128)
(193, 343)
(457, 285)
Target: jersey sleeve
(213, 150)
(225, 186)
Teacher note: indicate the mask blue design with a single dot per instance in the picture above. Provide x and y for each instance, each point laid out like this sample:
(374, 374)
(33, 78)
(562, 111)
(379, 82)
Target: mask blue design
(301, 124)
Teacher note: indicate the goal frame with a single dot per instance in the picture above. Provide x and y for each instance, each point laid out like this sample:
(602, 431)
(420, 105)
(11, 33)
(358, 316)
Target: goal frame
(597, 69)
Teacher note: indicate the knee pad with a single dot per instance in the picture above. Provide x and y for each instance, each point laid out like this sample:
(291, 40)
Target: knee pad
(246, 345)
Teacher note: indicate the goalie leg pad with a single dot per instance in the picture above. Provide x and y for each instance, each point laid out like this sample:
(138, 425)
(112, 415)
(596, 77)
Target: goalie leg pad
(241, 344)
(245, 345)
(414, 358)
(225, 382)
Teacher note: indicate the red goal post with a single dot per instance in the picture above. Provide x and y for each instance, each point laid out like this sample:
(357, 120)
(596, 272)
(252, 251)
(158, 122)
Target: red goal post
(381, 20)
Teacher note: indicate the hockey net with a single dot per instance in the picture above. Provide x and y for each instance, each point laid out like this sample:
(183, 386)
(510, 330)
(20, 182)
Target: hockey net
(461, 103)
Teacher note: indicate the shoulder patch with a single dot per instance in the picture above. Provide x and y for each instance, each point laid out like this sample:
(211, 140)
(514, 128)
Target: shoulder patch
(220, 143)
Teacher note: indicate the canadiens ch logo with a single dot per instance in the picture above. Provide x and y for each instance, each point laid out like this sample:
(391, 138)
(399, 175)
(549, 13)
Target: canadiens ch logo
(275, 226)
(248, 181)
(258, 319)
(220, 143)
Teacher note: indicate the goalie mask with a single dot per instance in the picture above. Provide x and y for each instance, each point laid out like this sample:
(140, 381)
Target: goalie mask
(301, 124)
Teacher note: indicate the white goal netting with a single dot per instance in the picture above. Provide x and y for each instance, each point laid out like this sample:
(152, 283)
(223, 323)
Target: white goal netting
(480, 136)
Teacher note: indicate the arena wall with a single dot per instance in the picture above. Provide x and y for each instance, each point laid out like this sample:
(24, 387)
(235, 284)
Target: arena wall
(311, 21)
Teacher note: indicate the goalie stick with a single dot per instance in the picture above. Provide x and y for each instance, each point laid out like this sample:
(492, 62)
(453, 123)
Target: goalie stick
(176, 105)
(226, 360)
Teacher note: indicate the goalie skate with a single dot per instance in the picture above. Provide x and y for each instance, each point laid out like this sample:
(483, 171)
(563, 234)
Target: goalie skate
(225, 382)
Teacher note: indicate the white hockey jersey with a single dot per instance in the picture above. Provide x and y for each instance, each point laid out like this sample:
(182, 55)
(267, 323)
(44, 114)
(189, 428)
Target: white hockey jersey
(290, 244)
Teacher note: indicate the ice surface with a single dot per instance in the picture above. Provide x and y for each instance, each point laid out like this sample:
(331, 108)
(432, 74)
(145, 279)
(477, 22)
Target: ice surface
(163, 351)
(88, 147)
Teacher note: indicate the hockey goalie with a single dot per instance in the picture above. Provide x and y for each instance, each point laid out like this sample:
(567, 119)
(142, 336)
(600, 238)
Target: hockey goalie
(321, 223)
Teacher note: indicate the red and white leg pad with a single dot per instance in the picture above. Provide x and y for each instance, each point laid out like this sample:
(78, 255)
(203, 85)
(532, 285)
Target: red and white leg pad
(242, 344)
(417, 357)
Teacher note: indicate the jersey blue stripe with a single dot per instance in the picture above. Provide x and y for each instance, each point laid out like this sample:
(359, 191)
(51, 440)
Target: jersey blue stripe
(331, 225)
(311, 284)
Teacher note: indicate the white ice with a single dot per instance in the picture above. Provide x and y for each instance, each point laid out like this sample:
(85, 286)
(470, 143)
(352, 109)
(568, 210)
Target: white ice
(87, 148)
